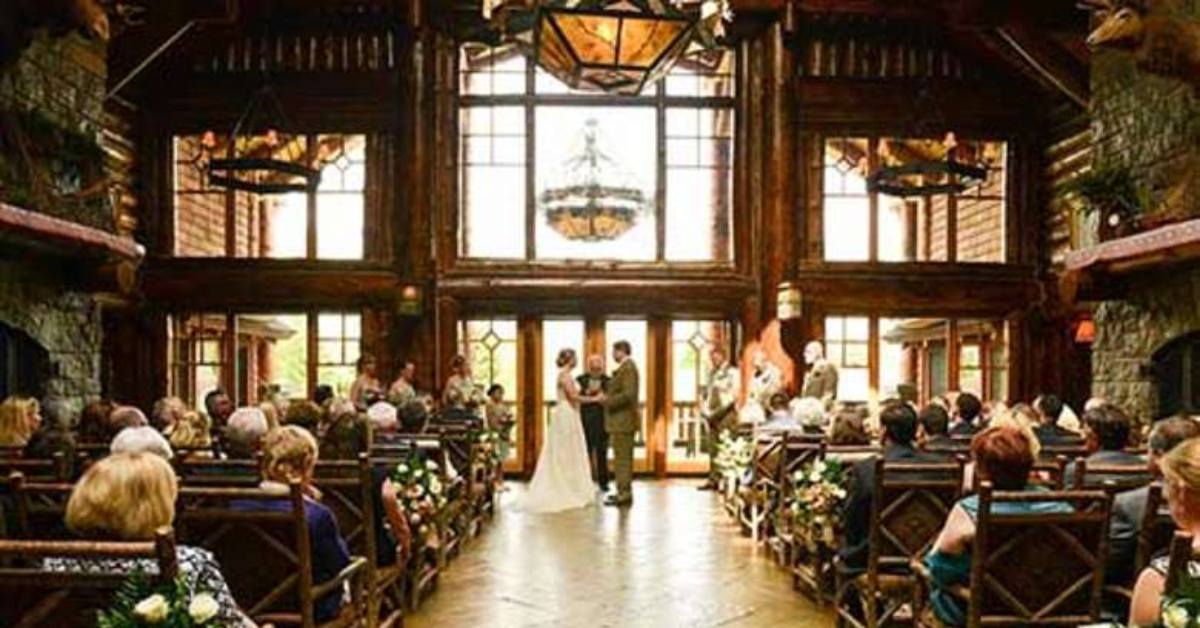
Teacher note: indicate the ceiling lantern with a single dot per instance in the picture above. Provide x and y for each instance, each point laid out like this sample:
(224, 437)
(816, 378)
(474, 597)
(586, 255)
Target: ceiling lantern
(615, 47)
(259, 154)
(594, 200)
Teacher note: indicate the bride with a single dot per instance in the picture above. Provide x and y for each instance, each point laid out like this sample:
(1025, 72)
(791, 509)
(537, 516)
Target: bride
(563, 479)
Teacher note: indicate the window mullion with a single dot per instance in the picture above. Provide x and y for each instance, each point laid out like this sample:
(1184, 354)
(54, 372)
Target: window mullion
(660, 185)
(310, 236)
(530, 163)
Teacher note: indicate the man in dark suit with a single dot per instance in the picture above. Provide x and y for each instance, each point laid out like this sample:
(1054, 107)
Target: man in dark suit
(1129, 508)
(899, 423)
(592, 385)
(935, 425)
(1049, 408)
(967, 410)
(1106, 435)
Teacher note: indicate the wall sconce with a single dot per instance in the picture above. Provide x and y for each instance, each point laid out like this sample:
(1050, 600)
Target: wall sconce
(789, 302)
(411, 301)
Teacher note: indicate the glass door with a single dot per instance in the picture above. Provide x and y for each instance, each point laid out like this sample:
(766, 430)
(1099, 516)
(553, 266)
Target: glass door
(491, 347)
(635, 333)
(692, 343)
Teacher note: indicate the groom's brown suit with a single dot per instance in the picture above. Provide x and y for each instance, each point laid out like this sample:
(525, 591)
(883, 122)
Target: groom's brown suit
(621, 423)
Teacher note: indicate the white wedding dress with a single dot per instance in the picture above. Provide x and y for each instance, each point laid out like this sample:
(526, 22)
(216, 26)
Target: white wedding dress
(563, 478)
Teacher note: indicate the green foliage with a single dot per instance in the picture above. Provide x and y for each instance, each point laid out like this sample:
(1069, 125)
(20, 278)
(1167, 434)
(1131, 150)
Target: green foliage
(1181, 608)
(1110, 188)
(138, 588)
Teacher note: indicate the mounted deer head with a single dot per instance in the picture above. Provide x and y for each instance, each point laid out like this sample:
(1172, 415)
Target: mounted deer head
(1161, 40)
(90, 18)
(1122, 28)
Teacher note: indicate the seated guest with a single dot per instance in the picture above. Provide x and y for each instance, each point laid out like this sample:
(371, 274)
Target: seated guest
(1181, 486)
(244, 434)
(899, 423)
(1106, 435)
(414, 417)
(778, 406)
(1049, 432)
(127, 497)
(383, 417)
(1003, 456)
(192, 430)
(126, 416)
(219, 407)
(935, 425)
(966, 416)
(270, 413)
(167, 411)
(54, 435)
(849, 428)
(20, 417)
(810, 413)
(392, 534)
(306, 414)
(366, 389)
(290, 455)
(322, 394)
(345, 435)
(143, 439)
(93, 422)
(1129, 507)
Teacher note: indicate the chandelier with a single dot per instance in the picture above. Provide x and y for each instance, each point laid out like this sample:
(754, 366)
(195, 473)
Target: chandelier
(922, 176)
(257, 156)
(613, 46)
(595, 199)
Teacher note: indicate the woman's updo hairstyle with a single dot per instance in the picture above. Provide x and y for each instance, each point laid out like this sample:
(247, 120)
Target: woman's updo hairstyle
(564, 357)
(289, 454)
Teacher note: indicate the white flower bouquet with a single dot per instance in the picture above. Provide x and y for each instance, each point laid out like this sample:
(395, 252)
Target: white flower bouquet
(734, 454)
(1181, 607)
(420, 491)
(818, 494)
(138, 603)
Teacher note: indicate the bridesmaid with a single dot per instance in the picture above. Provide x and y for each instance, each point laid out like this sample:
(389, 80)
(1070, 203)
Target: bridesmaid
(366, 389)
(460, 380)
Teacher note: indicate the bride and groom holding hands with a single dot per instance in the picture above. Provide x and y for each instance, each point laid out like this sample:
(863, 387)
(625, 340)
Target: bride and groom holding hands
(563, 478)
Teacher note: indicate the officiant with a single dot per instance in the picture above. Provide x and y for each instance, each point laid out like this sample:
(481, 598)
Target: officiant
(592, 386)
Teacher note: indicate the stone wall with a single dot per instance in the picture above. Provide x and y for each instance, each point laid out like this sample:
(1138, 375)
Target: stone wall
(66, 324)
(1145, 122)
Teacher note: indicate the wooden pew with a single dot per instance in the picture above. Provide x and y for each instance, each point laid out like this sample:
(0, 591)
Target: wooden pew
(31, 596)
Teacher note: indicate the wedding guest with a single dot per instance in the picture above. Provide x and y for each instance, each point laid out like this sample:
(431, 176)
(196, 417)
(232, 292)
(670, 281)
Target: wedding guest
(306, 414)
(166, 412)
(123, 417)
(193, 430)
(219, 407)
(935, 426)
(500, 418)
(1049, 432)
(778, 406)
(1002, 456)
(593, 383)
(142, 439)
(54, 435)
(322, 394)
(403, 390)
(414, 417)
(967, 409)
(809, 412)
(456, 407)
(244, 433)
(1181, 486)
(271, 413)
(345, 436)
(383, 417)
(93, 422)
(366, 388)
(1129, 507)
(849, 428)
(290, 455)
(1106, 435)
(128, 497)
(899, 423)
(20, 417)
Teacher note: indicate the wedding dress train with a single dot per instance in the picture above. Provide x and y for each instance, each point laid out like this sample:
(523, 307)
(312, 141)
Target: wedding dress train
(563, 478)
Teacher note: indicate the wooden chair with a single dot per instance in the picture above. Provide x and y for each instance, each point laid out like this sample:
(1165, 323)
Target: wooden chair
(31, 596)
(1112, 479)
(1044, 569)
(1049, 473)
(1157, 527)
(758, 494)
(57, 468)
(211, 472)
(266, 555)
(40, 508)
(798, 450)
(1071, 451)
(910, 507)
(851, 454)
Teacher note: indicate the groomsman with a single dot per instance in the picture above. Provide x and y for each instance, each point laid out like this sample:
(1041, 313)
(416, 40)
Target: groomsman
(718, 407)
(592, 386)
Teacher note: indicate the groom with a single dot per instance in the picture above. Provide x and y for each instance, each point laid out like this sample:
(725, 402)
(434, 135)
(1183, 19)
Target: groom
(622, 422)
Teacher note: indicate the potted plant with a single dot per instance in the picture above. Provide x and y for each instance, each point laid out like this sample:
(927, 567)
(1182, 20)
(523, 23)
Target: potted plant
(1115, 195)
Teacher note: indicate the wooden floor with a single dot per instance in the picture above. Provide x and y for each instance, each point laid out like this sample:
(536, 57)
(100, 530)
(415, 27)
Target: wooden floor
(674, 559)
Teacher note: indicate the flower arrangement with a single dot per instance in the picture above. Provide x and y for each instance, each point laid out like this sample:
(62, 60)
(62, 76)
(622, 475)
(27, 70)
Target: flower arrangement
(818, 493)
(1181, 607)
(734, 454)
(139, 603)
(420, 492)
(487, 450)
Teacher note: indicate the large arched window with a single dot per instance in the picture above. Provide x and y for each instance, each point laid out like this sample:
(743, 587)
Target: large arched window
(526, 140)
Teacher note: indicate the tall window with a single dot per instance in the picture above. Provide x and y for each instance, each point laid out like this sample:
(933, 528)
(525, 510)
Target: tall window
(528, 145)
(339, 345)
(324, 224)
(491, 347)
(967, 227)
(847, 339)
(195, 355)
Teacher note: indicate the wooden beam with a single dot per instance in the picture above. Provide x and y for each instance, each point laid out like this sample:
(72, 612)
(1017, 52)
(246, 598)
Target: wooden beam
(200, 284)
(1072, 82)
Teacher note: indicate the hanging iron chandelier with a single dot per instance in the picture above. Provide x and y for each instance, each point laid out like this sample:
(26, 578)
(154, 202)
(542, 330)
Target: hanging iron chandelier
(613, 46)
(257, 155)
(595, 200)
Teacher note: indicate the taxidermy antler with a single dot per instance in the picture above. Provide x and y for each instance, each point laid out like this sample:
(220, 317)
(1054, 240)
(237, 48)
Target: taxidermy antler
(1161, 43)
(19, 19)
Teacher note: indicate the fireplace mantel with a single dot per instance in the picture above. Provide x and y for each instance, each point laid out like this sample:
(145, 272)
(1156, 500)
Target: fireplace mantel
(1097, 272)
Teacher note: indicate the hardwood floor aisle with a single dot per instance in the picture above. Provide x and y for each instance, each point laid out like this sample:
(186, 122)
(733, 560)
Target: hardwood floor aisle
(673, 560)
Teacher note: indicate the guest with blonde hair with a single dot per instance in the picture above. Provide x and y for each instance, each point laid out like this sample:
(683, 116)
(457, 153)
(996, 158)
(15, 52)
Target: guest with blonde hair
(289, 455)
(20, 417)
(1181, 486)
(167, 412)
(128, 497)
(193, 430)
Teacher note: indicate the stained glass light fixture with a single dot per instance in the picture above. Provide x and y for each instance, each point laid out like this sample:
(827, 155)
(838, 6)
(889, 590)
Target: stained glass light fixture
(259, 155)
(594, 200)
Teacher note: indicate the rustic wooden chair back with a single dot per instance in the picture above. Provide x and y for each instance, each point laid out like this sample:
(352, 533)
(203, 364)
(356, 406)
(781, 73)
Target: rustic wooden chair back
(1071, 451)
(1049, 473)
(1013, 583)
(1111, 479)
(797, 451)
(40, 508)
(1157, 529)
(912, 501)
(851, 454)
(265, 555)
(31, 596)
(210, 472)
(56, 468)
